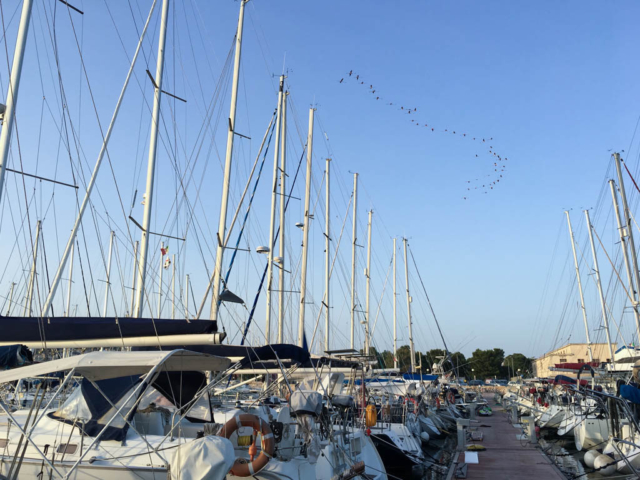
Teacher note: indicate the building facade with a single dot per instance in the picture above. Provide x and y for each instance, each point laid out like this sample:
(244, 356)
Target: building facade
(570, 353)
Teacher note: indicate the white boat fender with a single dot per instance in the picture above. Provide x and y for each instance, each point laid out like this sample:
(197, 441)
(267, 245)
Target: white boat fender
(605, 465)
(424, 436)
(590, 457)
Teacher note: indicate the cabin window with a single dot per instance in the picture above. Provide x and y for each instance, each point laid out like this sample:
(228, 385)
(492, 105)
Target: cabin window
(563, 360)
(608, 360)
(67, 448)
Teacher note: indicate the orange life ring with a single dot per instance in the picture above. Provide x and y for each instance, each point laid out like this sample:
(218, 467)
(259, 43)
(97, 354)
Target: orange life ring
(242, 468)
(371, 416)
(451, 397)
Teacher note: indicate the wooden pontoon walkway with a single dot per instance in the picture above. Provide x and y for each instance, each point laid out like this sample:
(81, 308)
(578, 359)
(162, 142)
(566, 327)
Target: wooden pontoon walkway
(507, 457)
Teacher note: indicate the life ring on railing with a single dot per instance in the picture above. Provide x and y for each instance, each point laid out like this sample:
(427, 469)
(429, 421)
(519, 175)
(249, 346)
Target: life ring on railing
(242, 468)
(370, 416)
(451, 397)
(412, 400)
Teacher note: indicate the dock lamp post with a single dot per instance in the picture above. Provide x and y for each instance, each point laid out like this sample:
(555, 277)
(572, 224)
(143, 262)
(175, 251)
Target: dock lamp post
(474, 373)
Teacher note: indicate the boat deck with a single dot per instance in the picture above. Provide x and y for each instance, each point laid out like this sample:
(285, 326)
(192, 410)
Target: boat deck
(507, 457)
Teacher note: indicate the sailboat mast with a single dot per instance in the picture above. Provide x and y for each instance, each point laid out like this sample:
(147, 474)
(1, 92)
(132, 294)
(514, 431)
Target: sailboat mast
(582, 306)
(151, 168)
(14, 86)
(134, 276)
(85, 201)
(68, 312)
(173, 288)
(10, 298)
(305, 232)
(160, 282)
(632, 246)
(108, 281)
(283, 204)
(353, 259)
(395, 310)
(272, 221)
(623, 231)
(32, 275)
(222, 226)
(596, 269)
(327, 256)
(186, 297)
(367, 340)
(406, 275)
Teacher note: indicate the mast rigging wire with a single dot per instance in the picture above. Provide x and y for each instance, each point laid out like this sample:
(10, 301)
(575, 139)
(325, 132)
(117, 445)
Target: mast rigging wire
(277, 234)
(428, 300)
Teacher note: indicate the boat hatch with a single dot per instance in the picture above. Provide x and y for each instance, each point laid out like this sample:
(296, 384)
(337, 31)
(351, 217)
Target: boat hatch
(67, 448)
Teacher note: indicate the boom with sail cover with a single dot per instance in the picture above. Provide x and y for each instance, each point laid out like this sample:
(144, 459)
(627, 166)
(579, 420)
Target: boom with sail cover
(88, 332)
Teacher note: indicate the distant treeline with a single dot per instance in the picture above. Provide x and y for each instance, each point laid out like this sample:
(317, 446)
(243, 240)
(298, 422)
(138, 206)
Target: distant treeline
(482, 364)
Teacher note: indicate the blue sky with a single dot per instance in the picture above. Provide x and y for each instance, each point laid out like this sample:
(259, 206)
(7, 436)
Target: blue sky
(552, 83)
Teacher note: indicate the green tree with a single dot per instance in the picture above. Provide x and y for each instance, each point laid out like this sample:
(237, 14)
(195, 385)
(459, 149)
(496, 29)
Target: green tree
(487, 363)
(460, 364)
(404, 358)
(387, 359)
(456, 362)
(518, 364)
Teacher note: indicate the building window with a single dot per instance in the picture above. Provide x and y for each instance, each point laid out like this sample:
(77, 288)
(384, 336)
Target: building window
(608, 360)
(596, 360)
(563, 360)
(580, 360)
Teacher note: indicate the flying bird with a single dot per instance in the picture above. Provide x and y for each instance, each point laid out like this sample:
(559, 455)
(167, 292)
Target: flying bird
(489, 179)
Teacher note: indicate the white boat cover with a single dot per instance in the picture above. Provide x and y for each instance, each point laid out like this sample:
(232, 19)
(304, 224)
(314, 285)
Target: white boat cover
(103, 365)
(306, 402)
(207, 458)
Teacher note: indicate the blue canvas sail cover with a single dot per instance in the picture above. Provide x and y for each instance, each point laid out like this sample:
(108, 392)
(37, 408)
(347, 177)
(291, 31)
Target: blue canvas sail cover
(630, 393)
(564, 380)
(13, 356)
(251, 356)
(419, 376)
(35, 329)
(88, 409)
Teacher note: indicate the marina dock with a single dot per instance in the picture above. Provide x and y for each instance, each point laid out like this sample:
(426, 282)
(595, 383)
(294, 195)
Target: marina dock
(507, 457)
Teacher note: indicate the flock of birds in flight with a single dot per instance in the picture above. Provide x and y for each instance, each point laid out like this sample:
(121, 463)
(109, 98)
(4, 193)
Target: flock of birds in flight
(498, 163)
